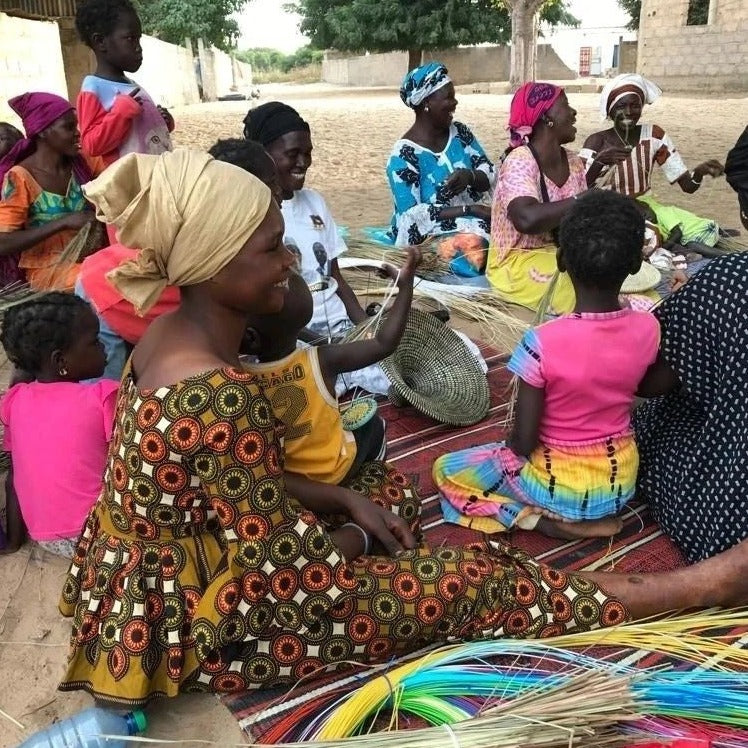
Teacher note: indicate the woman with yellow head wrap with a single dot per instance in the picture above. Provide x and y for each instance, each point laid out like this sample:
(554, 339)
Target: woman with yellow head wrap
(196, 570)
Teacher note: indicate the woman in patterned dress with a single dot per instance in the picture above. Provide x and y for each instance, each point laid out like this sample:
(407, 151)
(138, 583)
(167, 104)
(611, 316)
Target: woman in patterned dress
(438, 172)
(196, 570)
(693, 443)
(536, 187)
(631, 150)
(42, 205)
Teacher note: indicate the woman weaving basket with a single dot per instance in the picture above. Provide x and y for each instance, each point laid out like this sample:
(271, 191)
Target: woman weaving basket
(439, 175)
(622, 158)
(42, 205)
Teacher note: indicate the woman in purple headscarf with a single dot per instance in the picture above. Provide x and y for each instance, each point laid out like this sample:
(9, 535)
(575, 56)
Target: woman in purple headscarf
(42, 205)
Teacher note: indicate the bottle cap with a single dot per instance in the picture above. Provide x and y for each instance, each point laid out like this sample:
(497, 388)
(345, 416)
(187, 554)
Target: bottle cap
(139, 721)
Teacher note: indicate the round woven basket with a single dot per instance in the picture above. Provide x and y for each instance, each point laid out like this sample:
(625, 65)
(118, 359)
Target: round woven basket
(434, 371)
(647, 277)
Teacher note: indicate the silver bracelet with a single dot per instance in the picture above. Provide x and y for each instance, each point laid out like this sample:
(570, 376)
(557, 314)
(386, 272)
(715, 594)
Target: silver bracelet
(366, 536)
(464, 210)
(693, 178)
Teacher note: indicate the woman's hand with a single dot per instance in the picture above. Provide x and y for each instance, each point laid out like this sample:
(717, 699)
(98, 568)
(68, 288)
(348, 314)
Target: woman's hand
(677, 280)
(391, 532)
(408, 270)
(710, 168)
(612, 155)
(458, 181)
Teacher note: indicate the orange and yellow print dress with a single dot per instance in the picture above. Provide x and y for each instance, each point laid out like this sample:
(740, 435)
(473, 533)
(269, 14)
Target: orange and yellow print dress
(196, 571)
(25, 205)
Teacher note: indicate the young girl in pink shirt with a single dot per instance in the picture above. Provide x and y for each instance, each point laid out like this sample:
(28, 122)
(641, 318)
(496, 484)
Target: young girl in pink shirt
(57, 429)
(570, 463)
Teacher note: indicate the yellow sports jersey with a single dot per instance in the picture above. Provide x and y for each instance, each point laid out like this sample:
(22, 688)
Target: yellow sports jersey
(316, 445)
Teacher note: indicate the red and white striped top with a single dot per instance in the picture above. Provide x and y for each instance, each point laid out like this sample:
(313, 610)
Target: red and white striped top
(632, 177)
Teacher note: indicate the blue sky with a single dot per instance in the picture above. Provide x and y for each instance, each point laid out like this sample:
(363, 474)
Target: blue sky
(264, 23)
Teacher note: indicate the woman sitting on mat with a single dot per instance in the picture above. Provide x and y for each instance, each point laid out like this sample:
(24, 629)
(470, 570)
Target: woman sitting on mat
(42, 206)
(120, 326)
(736, 172)
(536, 187)
(439, 174)
(570, 464)
(694, 442)
(311, 231)
(622, 158)
(197, 570)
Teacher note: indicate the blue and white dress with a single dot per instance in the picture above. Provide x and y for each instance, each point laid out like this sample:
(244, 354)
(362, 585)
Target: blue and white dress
(416, 175)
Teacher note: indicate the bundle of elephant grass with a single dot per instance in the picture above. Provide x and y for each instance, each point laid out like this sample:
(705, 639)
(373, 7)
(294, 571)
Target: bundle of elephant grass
(498, 326)
(431, 267)
(730, 244)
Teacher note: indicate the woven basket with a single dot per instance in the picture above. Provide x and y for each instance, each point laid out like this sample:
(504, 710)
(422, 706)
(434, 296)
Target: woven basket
(647, 277)
(434, 371)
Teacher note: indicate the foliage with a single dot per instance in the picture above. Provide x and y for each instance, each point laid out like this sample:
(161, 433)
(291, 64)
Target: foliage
(264, 59)
(698, 12)
(634, 9)
(175, 20)
(389, 25)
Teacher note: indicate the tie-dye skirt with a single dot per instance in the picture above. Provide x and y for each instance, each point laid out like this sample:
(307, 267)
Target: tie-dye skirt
(491, 489)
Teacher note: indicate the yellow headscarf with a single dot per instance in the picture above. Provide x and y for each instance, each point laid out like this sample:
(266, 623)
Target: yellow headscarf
(188, 214)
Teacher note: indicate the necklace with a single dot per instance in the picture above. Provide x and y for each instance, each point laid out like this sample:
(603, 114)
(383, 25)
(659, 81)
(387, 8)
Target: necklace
(623, 140)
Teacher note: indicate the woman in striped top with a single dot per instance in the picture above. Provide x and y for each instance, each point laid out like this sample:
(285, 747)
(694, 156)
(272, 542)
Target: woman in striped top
(630, 150)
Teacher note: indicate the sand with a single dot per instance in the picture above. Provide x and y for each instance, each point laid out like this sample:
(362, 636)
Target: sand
(353, 132)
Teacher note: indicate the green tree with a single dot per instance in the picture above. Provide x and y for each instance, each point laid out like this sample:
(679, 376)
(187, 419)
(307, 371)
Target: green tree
(634, 9)
(698, 12)
(412, 25)
(174, 20)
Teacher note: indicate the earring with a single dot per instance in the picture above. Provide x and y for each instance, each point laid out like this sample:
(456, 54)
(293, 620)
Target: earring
(426, 108)
(549, 122)
(63, 372)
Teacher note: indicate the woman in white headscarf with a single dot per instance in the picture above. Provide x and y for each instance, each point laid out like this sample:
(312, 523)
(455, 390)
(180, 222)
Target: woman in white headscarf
(623, 156)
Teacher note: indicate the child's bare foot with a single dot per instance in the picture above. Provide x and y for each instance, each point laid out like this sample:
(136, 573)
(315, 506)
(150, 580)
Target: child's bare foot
(592, 528)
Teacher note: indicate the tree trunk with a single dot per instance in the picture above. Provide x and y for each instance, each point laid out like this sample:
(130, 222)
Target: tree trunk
(414, 58)
(524, 41)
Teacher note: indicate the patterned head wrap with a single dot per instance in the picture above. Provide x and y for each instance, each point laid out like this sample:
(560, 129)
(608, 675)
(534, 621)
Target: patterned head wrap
(623, 85)
(421, 82)
(271, 121)
(39, 110)
(190, 216)
(529, 104)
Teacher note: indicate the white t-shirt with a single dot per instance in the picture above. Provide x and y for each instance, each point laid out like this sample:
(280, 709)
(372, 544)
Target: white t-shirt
(311, 234)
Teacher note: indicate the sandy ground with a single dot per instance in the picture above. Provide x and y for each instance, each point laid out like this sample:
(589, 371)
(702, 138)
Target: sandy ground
(353, 133)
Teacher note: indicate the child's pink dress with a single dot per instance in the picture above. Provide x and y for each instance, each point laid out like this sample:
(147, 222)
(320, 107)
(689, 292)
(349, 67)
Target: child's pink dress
(58, 434)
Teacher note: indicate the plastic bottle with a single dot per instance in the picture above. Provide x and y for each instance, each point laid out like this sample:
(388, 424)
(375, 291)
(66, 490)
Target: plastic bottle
(82, 730)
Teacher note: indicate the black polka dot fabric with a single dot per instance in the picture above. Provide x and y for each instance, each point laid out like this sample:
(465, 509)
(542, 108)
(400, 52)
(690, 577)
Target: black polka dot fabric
(693, 444)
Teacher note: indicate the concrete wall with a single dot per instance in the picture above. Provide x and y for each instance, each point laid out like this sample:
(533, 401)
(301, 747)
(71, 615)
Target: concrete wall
(167, 73)
(30, 60)
(706, 58)
(465, 65)
(627, 62)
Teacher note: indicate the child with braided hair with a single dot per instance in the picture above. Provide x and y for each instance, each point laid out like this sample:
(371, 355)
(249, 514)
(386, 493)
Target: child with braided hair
(57, 429)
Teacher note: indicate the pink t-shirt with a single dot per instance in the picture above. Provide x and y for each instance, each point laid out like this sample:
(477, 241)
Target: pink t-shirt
(519, 176)
(58, 434)
(590, 366)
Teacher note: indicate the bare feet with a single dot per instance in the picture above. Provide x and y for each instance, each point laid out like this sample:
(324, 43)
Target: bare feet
(593, 528)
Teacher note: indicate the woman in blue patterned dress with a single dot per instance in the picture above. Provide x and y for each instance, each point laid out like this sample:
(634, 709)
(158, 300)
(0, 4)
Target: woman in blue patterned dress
(438, 172)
